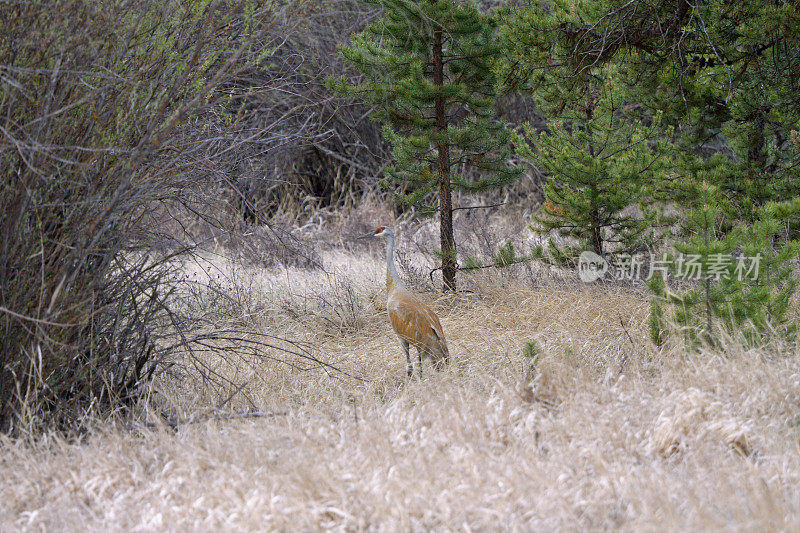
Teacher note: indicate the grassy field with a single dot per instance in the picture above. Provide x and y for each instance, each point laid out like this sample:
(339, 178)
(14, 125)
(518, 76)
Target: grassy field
(608, 433)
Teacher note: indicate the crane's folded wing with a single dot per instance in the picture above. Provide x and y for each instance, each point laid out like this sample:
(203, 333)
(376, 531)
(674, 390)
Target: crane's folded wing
(413, 320)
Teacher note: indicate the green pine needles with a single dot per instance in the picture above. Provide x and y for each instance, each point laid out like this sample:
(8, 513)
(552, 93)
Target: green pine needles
(740, 282)
(427, 70)
(671, 112)
(599, 165)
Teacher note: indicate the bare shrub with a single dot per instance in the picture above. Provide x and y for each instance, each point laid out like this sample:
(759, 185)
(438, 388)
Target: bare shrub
(96, 100)
(305, 149)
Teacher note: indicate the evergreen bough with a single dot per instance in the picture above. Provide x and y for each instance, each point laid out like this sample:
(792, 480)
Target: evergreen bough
(746, 275)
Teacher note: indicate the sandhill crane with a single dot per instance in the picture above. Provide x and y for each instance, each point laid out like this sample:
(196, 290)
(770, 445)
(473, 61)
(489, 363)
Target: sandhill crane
(413, 321)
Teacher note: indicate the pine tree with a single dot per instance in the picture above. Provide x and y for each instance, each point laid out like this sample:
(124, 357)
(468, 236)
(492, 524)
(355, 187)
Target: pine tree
(760, 301)
(599, 156)
(427, 69)
(725, 74)
(599, 164)
(703, 257)
(742, 280)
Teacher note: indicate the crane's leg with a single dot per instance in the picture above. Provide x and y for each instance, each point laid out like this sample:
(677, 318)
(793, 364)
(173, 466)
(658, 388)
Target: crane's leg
(404, 344)
(419, 356)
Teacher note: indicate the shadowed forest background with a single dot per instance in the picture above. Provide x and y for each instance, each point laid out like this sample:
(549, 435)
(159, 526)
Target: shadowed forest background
(191, 336)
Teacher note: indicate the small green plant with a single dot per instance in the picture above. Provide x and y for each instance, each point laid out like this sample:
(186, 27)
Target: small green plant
(470, 263)
(506, 255)
(531, 354)
(760, 303)
(656, 322)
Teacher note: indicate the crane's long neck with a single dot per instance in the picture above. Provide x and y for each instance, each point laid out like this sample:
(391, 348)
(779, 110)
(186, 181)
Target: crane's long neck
(391, 274)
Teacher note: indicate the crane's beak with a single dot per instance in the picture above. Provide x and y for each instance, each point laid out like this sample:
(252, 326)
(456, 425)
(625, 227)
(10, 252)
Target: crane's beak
(371, 234)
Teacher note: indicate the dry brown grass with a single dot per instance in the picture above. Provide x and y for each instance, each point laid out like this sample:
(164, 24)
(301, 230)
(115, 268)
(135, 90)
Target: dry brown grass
(624, 437)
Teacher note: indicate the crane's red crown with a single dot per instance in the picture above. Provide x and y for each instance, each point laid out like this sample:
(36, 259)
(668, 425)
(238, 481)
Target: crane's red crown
(379, 229)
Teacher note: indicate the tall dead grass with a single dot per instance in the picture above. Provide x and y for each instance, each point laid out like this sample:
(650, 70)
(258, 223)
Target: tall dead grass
(608, 433)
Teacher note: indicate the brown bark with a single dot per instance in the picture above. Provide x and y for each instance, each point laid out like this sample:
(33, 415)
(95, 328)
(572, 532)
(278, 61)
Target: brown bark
(445, 204)
(596, 236)
(755, 152)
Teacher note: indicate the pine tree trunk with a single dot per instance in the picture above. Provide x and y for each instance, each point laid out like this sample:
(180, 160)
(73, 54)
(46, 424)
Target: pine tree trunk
(706, 237)
(594, 216)
(756, 157)
(594, 213)
(755, 151)
(445, 205)
(597, 237)
(709, 335)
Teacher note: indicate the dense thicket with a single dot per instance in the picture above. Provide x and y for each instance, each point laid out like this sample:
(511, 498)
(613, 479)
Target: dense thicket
(305, 148)
(723, 80)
